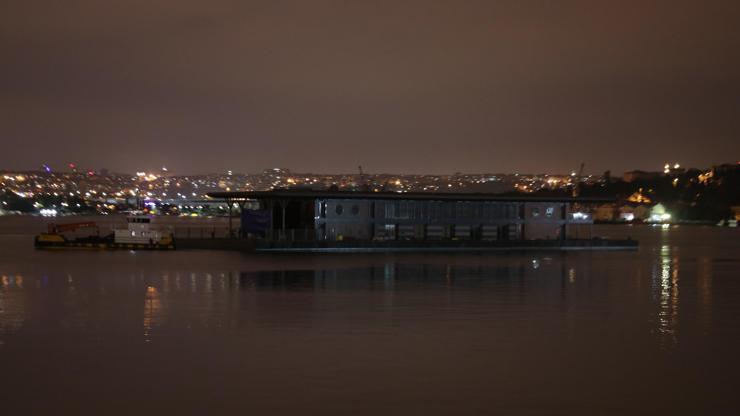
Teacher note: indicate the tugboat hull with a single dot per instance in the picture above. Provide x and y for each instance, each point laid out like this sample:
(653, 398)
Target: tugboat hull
(56, 241)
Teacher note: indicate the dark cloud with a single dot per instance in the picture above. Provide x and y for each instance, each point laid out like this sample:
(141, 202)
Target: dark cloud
(404, 86)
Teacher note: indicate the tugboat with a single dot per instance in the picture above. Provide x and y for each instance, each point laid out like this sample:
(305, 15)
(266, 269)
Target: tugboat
(137, 236)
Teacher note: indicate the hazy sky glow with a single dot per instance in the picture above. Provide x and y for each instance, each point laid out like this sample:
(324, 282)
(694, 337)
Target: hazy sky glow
(398, 86)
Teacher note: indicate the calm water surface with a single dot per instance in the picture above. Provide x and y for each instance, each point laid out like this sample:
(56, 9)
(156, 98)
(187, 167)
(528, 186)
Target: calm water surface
(655, 331)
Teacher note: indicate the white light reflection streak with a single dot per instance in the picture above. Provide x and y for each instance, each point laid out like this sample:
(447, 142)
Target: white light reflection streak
(667, 287)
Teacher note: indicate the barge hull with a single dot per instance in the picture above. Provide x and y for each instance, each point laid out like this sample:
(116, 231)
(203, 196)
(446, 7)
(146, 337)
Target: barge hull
(261, 246)
(433, 249)
(444, 246)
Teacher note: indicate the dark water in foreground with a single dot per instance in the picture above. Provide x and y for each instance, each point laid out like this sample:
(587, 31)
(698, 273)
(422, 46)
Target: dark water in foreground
(649, 332)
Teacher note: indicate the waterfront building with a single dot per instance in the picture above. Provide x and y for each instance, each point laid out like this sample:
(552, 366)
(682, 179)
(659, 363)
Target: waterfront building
(387, 216)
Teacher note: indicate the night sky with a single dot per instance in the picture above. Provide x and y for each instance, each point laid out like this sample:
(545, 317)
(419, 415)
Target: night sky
(397, 86)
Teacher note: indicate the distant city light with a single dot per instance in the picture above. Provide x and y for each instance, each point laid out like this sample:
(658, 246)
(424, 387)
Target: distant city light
(48, 212)
(580, 216)
(657, 217)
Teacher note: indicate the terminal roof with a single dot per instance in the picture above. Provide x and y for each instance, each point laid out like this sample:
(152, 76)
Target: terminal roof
(428, 196)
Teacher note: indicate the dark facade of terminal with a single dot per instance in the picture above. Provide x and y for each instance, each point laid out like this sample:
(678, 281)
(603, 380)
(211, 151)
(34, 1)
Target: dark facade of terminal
(384, 216)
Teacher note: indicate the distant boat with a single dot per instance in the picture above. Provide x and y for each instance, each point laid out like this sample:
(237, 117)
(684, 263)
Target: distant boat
(729, 223)
(139, 235)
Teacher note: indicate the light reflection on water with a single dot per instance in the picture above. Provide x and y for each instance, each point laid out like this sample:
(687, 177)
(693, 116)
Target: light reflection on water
(665, 278)
(152, 311)
(513, 279)
(11, 305)
(157, 291)
(442, 333)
